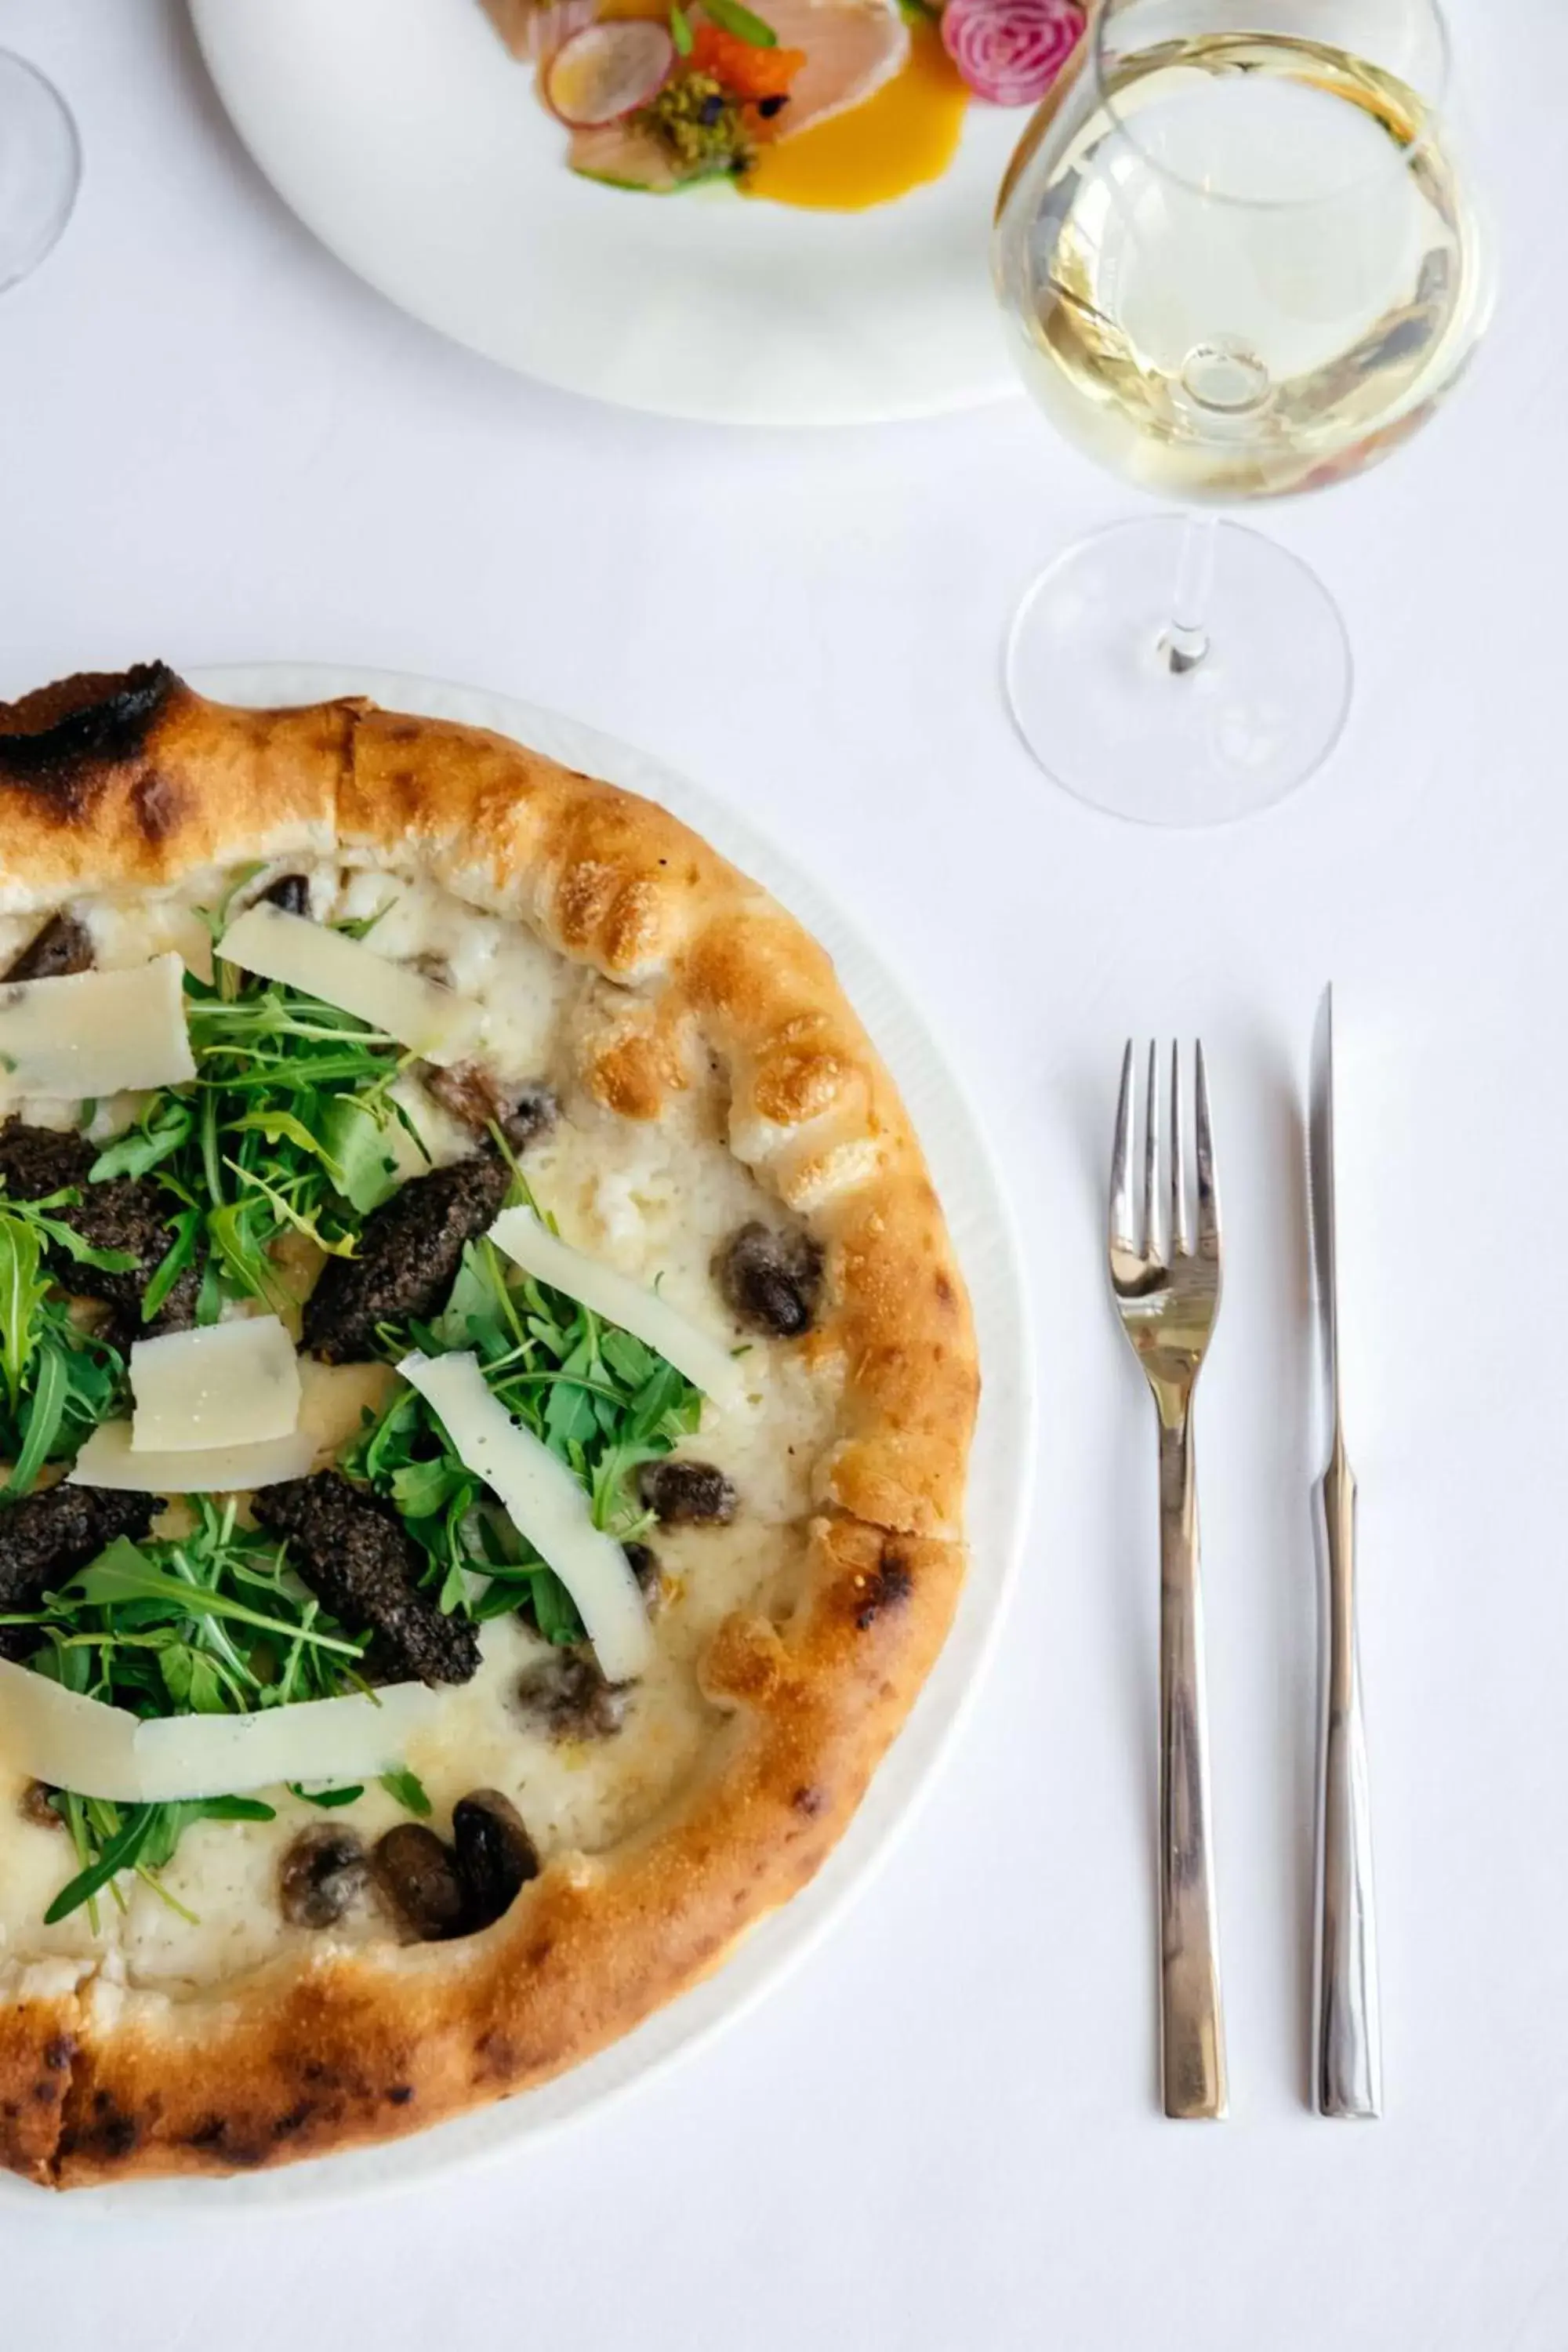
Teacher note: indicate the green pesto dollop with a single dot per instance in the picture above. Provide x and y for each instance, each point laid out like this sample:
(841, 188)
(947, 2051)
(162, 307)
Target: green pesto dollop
(699, 127)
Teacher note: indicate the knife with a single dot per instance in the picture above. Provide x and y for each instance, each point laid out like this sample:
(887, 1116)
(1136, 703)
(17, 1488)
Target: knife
(1349, 2058)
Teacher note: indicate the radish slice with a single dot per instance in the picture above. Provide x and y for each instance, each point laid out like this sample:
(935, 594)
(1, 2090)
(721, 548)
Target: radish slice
(1011, 51)
(608, 70)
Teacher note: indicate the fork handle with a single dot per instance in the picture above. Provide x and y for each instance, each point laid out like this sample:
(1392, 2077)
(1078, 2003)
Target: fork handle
(1349, 2055)
(1191, 2028)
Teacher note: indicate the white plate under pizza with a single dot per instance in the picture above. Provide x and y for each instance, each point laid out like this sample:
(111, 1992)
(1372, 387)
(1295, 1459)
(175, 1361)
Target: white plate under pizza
(488, 1388)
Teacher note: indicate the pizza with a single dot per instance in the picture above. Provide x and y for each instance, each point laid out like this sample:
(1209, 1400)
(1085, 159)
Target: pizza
(485, 1392)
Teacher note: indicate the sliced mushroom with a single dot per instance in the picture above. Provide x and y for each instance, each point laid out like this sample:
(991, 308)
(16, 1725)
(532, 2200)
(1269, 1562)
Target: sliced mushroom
(567, 1696)
(63, 946)
(479, 1101)
(320, 1874)
(496, 1856)
(292, 892)
(687, 1494)
(643, 1561)
(33, 1806)
(418, 1875)
(771, 1281)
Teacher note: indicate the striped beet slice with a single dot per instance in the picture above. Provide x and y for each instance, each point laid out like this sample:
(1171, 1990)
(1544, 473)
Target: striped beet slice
(1011, 51)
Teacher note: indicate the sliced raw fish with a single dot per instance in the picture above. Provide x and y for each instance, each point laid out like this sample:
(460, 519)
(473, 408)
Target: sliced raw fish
(625, 156)
(852, 47)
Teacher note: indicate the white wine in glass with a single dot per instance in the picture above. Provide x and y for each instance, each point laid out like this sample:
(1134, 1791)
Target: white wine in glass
(1241, 261)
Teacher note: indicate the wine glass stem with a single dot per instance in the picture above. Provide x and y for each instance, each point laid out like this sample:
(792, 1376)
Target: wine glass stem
(1187, 641)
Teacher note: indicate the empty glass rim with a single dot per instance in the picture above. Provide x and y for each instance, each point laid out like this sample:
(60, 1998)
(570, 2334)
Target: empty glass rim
(1106, 74)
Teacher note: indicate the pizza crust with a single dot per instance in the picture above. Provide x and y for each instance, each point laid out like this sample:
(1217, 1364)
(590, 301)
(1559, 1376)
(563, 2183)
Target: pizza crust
(126, 785)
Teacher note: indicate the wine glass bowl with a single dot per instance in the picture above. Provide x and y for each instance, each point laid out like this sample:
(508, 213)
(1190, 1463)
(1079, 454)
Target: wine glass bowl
(1240, 260)
(40, 167)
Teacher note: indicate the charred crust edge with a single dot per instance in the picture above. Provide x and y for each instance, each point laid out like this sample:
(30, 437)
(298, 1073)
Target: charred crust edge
(51, 742)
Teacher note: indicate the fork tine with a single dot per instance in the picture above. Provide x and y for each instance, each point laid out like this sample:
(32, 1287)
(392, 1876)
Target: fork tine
(1121, 1162)
(1151, 1242)
(1181, 1236)
(1208, 1192)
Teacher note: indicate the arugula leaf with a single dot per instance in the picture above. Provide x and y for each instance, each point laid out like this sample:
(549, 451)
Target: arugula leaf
(180, 1254)
(41, 1424)
(286, 1130)
(554, 1610)
(213, 1621)
(192, 1680)
(172, 1821)
(419, 1489)
(679, 29)
(23, 1290)
(81, 1253)
(119, 1853)
(123, 1572)
(328, 1799)
(364, 1163)
(409, 1791)
(476, 1304)
(163, 1130)
(601, 1398)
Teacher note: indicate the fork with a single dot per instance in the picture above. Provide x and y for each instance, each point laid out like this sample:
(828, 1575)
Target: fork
(1167, 1302)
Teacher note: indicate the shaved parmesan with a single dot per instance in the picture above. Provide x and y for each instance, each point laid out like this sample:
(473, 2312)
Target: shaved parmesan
(106, 1751)
(97, 1033)
(436, 1021)
(348, 1738)
(110, 1459)
(704, 1359)
(231, 1384)
(546, 1503)
(61, 1738)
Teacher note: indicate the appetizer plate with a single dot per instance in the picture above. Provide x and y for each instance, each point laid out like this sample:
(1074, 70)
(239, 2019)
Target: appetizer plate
(1001, 1466)
(418, 151)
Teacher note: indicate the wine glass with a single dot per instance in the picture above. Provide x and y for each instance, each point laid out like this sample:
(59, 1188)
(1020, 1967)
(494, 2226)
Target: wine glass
(1241, 260)
(40, 167)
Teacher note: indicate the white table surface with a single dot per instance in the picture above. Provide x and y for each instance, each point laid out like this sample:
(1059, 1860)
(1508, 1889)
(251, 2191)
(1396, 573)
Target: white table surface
(941, 2132)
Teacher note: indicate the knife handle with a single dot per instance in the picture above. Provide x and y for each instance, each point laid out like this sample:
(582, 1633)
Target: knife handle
(1349, 2067)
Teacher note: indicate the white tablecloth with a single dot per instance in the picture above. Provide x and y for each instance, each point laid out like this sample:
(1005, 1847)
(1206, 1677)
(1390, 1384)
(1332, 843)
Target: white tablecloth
(940, 2133)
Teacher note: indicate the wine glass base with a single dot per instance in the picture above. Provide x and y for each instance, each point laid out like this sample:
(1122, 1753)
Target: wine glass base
(40, 167)
(1095, 698)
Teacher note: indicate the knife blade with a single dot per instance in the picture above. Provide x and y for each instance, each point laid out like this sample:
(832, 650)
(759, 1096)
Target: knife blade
(1349, 2062)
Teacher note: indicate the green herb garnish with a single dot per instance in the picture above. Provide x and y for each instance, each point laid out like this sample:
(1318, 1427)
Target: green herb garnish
(136, 1837)
(732, 17)
(597, 1397)
(288, 1128)
(329, 1800)
(408, 1788)
(213, 1622)
(57, 1380)
(699, 126)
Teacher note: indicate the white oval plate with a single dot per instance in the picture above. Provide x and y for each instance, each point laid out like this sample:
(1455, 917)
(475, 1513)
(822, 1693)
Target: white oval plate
(416, 148)
(1000, 1481)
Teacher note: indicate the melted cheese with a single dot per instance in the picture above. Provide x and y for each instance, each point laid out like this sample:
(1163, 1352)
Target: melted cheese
(94, 1033)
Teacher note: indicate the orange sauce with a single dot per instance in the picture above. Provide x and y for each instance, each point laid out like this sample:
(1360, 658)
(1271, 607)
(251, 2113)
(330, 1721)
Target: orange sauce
(903, 136)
